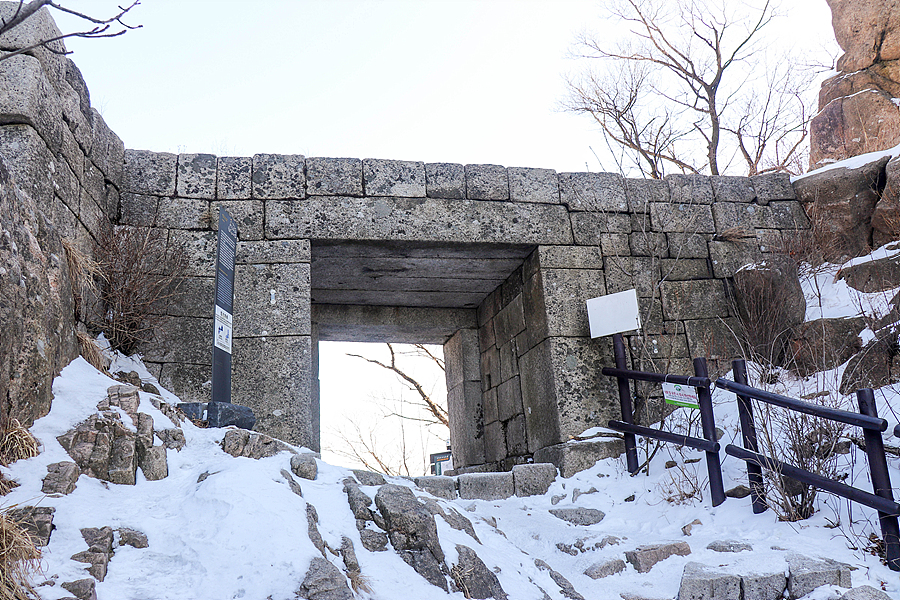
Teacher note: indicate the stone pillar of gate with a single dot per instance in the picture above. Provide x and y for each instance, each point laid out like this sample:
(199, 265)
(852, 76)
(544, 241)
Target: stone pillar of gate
(463, 373)
(273, 368)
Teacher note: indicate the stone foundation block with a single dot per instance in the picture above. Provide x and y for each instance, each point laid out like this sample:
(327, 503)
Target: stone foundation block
(683, 218)
(486, 182)
(440, 486)
(691, 189)
(247, 214)
(593, 192)
(276, 176)
(570, 458)
(641, 192)
(149, 172)
(445, 180)
(393, 178)
(196, 176)
(533, 479)
(533, 185)
(334, 176)
(233, 177)
(700, 582)
(486, 486)
(781, 214)
(773, 186)
(806, 574)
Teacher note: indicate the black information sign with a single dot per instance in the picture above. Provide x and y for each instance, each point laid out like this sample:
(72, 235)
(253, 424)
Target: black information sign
(223, 331)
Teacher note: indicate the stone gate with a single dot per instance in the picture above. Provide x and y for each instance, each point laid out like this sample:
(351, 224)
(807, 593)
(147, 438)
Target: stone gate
(494, 263)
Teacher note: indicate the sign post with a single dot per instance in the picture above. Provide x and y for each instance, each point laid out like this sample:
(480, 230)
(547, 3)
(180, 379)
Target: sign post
(226, 246)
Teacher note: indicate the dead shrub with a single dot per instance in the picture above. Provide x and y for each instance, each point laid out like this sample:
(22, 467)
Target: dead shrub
(84, 272)
(142, 271)
(19, 560)
(17, 443)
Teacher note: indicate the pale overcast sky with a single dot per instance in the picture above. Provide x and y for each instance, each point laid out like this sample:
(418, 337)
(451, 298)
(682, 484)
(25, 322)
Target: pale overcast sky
(466, 81)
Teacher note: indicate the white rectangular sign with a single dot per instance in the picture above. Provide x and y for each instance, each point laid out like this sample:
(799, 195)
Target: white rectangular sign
(223, 329)
(681, 395)
(614, 313)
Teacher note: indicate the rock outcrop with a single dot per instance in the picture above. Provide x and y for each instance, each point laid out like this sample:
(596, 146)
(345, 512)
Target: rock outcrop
(857, 112)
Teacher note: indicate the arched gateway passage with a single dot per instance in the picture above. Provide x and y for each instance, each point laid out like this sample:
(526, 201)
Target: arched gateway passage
(494, 263)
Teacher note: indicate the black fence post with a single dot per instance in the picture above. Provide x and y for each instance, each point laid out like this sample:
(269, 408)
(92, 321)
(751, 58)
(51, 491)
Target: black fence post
(881, 479)
(631, 460)
(708, 422)
(748, 434)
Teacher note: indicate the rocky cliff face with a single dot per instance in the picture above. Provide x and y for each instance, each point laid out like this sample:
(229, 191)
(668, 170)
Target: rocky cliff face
(858, 110)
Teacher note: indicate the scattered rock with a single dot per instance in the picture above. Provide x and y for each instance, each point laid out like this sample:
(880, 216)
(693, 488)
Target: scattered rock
(240, 442)
(324, 581)
(172, 439)
(643, 558)
(312, 520)
(150, 388)
(452, 517)
(557, 499)
(671, 464)
(369, 478)
(576, 493)
(873, 275)
(373, 541)
(98, 539)
(438, 485)
(686, 530)
(728, 546)
(700, 582)
(125, 397)
(132, 378)
(304, 466)
(61, 478)
(348, 554)
(473, 578)
(103, 448)
(565, 587)
(412, 532)
(533, 479)
(738, 491)
(132, 537)
(578, 516)
(359, 501)
(806, 574)
(84, 589)
(875, 366)
(569, 549)
(152, 461)
(36, 520)
(824, 344)
(605, 569)
(295, 487)
(99, 562)
(865, 592)
(630, 498)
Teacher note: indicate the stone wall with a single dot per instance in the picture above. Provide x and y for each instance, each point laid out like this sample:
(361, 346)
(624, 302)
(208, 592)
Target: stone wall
(495, 263)
(60, 168)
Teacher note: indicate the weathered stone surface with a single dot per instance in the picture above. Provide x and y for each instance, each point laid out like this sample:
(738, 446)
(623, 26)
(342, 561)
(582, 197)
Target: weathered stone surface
(762, 586)
(248, 215)
(152, 461)
(867, 32)
(692, 189)
(103, 447)
(126, 397)
(565, 586)
(272, 299)
(295, 487)
(304, 466)
(269, 252)
(414, 219)
(701, 582)
(37, 311)
(533, 185)
(571, 458)
(841, 202)
(98, 561)
(533, 479)
(334, 176)
(875, 366)
(149, 172)
(486, 182)
(605, 569)
(824, 344)
(233, 177)
(324, 581)
(61, 478)
(196, 176)
(37, 521)
(83, 589)
(694, 299)
(240, 442)
(412, 532)
(853, 125)
(312, 528)
(368, 477)
(773, 186)
(486, 486)
(593, 192)
(473, 578)
(578, 516)
(865, 592)
(393, 178)
(806, 574)
(732, 189)
(172, 439)
(874, 275)
(682, 218)
(373, 541)
(728, 546)
(98, 539)
(277, 176)
(132, 537)
(643, 558)
(440, 486)
(445, 180)
(640, 192)
(359, 501)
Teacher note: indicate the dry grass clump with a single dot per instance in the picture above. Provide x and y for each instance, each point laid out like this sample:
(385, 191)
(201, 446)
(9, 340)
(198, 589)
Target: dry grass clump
(6, 485)
(19, 559)
(17, 443)
(91, 352)
(359, 582)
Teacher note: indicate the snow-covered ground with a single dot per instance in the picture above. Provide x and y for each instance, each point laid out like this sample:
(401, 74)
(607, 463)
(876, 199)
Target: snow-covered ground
(240, 532)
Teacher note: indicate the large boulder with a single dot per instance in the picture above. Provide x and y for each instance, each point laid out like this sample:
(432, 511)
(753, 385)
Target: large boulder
(852, 125)
(841, 203)
(824, 344)
(876, 365)
(866, 30)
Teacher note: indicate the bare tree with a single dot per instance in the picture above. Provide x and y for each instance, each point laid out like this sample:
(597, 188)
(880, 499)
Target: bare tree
(96, 27)
(689, 76)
